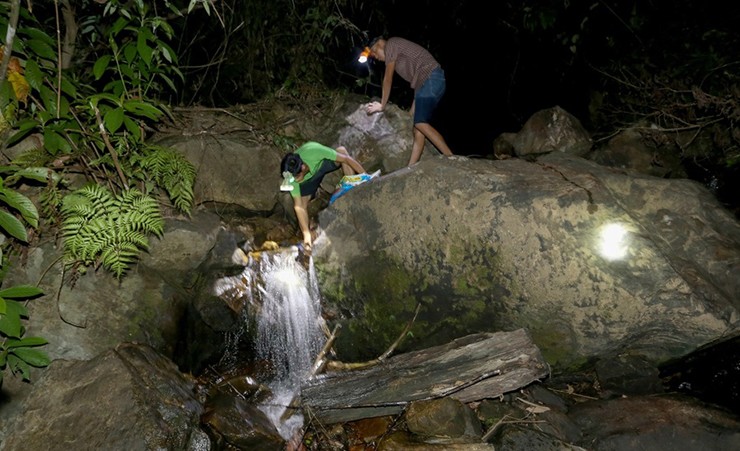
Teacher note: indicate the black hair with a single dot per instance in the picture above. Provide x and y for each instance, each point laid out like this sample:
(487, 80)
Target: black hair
(373, 41)
(291, 163)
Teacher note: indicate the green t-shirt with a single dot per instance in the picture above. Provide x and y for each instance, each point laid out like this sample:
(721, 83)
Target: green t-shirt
(312, 154)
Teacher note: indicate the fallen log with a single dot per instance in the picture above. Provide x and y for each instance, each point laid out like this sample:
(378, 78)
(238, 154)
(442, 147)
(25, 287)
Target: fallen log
(470, 368)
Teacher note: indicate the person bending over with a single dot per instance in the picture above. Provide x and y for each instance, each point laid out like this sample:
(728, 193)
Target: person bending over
(417, 66)
(303, 172)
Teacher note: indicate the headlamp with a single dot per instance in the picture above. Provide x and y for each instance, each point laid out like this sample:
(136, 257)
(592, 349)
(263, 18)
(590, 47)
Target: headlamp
(364, 55)
(288, 180)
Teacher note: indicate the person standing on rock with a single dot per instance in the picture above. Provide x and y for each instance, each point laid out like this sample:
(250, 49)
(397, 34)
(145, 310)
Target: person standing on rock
(417, 66)
(304, 170)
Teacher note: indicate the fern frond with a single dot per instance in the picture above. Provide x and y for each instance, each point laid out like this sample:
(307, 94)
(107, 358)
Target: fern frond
(138, 221)
(34, 157)
(51, 202)
(97, 235)
(117, 259)
(173, 173)
(108, 230)
(89, 200)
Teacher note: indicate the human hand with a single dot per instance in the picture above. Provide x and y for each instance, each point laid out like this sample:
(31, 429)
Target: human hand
(374, 107)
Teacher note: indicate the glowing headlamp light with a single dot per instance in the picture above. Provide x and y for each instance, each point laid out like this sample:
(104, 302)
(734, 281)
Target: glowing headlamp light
(364, 55)
(288, 179)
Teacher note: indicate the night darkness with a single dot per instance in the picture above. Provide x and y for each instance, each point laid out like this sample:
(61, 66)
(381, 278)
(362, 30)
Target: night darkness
(496, 78)
(610, 63)
(500, 72)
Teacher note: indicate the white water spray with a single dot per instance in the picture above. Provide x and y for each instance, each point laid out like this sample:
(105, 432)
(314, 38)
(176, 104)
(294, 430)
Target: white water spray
(285, 298)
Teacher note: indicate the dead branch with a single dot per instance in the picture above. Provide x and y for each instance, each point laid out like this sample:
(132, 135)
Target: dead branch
(320, 362)
(8, 48)
(109, 146)
(341, 366)
(492, 430)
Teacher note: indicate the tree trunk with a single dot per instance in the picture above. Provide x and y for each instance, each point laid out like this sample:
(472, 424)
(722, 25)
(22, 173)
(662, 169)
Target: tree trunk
(471, 368)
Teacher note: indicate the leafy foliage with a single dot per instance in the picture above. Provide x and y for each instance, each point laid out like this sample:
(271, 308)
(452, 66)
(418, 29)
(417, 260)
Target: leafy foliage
(20, 204)
(97, 116)
(17, 352)
(100, 228)
(173, 172)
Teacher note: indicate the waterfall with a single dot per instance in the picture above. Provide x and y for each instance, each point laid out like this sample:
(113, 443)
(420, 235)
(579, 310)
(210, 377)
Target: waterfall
(284, 301)
(288, 335)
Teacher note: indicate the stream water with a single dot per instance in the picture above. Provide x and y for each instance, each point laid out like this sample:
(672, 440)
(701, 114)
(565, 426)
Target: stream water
(282, 297)
(288, 330)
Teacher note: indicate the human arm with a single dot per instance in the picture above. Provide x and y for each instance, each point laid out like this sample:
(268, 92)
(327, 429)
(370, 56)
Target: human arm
(300, 205)
(374, 107)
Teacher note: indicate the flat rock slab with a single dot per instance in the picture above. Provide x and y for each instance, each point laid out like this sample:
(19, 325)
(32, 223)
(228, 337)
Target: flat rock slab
(470, 368)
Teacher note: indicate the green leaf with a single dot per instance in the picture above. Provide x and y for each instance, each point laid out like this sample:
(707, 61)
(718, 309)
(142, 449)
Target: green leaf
(128, 72)
(129, 54)
(25, 127)
(21, 292)
(169, 82)
(133, 128)
(19, 366)
(144, 50)
(69, 88)
(42, 49)
(53, 142)
(95, 100)
(64, 107)
(7, 95)
(39, 174)
(39, 35)
(26, 342)
(143, 69)
(21, 203)
(49, 99)
(34, 76)
(13, 226)
(166, 27)
(113, 119)
(118, 26)
(143, 109)
(34, 357)
(2, 306)
(100, 66)
(10, 322)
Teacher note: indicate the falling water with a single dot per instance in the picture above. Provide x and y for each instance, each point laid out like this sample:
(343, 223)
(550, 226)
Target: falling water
(284, 297)
(288, 330)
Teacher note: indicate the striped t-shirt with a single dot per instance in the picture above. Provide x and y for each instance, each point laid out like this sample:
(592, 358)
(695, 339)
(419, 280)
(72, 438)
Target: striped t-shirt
(414, 63)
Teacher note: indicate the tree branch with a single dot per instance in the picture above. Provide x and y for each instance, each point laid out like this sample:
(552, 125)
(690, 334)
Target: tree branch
(15, 6)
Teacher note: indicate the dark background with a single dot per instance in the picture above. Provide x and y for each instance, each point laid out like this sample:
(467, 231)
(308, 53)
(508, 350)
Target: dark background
(506, 61)
(608, 62)
(672, 64)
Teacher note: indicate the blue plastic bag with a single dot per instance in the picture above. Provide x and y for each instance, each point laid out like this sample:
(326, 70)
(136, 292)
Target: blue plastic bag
(350, 181)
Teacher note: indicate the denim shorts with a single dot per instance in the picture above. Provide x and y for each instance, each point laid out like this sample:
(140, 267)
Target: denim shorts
(310, 186)
(427, 97)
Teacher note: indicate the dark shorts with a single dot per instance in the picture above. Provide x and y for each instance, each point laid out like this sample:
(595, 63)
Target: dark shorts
(310, 186)
(427, 97)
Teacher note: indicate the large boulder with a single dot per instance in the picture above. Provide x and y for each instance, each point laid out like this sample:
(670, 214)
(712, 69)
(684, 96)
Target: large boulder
(84, 317)
(497, 245)
(549, 130)
(130, 397)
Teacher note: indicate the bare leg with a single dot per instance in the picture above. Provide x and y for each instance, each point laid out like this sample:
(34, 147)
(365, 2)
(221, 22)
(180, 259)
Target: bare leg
(346, 169)
(434, 136)
(418, 146)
